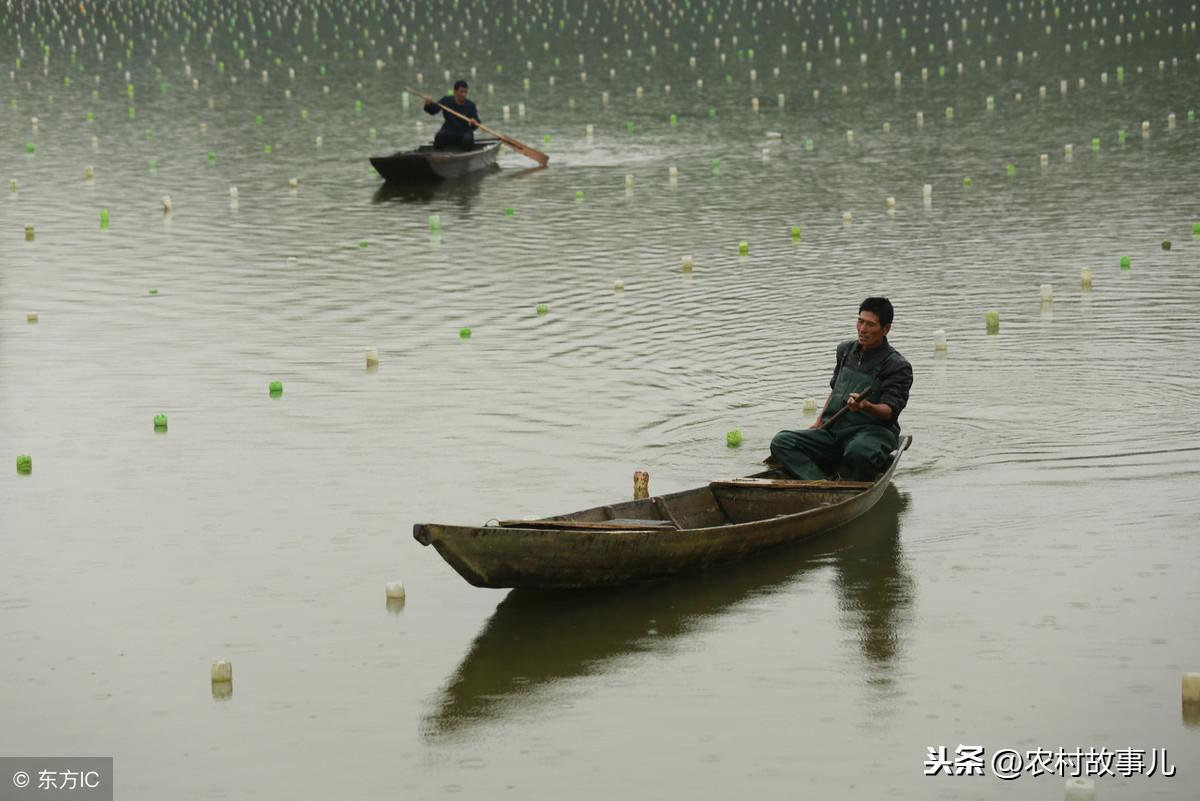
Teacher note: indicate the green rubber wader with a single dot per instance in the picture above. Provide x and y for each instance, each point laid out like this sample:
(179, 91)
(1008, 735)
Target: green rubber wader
(857, 447)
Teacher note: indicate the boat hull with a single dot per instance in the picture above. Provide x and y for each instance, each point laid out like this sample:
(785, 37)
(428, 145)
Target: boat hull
(430, 165)
(721, 523)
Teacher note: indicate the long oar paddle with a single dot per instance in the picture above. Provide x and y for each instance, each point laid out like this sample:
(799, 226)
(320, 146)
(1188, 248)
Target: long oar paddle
(838, 415)
(522, 148)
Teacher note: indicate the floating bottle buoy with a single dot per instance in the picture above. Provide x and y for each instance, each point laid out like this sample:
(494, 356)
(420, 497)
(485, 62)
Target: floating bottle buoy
(795, 233)
(889, 203)
(29, 232)
(810, 405)
(1191, 688)
(372, 356)
(618, 285)
(744, 248)
(993, 322)
(464, 333)
(89, 172)
(847, 218)
(160, 422)
(275, 389)
(222, 671)
(103, 219)
(1126, 262)
(1047, 293)
(543, 309)
(1166, 244)
(1085, 278)
(167, 205)
(629, 181)
(435, 222)
(686, 264)
(31, 317)
(733, 439)
(1080, 789)
(394, 590)
(233, 193)
(939, 341)
(293, 183)
(25, 464)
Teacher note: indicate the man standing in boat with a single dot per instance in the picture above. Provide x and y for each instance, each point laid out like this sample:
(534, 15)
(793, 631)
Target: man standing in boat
(455, 132)
(871, 381)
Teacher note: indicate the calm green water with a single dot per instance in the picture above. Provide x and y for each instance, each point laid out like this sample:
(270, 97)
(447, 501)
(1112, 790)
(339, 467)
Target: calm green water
(1029, 583)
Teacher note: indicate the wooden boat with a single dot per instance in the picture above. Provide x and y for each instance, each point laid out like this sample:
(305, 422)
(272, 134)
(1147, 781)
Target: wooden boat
(428, 164)
(655, 537)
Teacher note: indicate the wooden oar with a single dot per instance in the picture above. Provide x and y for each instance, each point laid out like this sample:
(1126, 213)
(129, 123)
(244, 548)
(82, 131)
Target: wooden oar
(838, 415)
(520, 147)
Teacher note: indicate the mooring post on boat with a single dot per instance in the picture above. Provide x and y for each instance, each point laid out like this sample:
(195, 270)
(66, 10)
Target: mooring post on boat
(641, 485)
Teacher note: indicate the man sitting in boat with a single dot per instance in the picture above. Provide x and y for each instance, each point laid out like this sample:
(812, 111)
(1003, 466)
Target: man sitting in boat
(858, 444)
(455, 132)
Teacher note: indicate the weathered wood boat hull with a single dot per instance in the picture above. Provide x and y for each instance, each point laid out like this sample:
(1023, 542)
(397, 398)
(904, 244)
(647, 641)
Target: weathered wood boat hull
(427, 164)
(653, 538)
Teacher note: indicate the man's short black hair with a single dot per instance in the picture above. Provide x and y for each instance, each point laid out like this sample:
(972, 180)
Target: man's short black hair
(881, 308)
(460, 84)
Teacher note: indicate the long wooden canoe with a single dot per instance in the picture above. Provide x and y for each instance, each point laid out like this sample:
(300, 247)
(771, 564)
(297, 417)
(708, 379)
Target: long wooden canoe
(428, 164)
(655, 537)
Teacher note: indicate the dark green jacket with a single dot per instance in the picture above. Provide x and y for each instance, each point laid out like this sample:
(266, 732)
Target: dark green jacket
(891, 370)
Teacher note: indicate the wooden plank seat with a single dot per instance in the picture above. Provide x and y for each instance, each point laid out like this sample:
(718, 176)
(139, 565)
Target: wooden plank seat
(794, 484)
(616, 524)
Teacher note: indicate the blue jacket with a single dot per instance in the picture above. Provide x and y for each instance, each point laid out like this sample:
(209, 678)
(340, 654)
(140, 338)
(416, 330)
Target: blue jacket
(454, 124)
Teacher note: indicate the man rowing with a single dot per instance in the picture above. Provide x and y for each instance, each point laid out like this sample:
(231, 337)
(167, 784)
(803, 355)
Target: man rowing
(858, 444)
(455, 132)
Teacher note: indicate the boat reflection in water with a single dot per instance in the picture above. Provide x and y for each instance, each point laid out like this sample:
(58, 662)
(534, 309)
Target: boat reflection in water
(536, 638)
